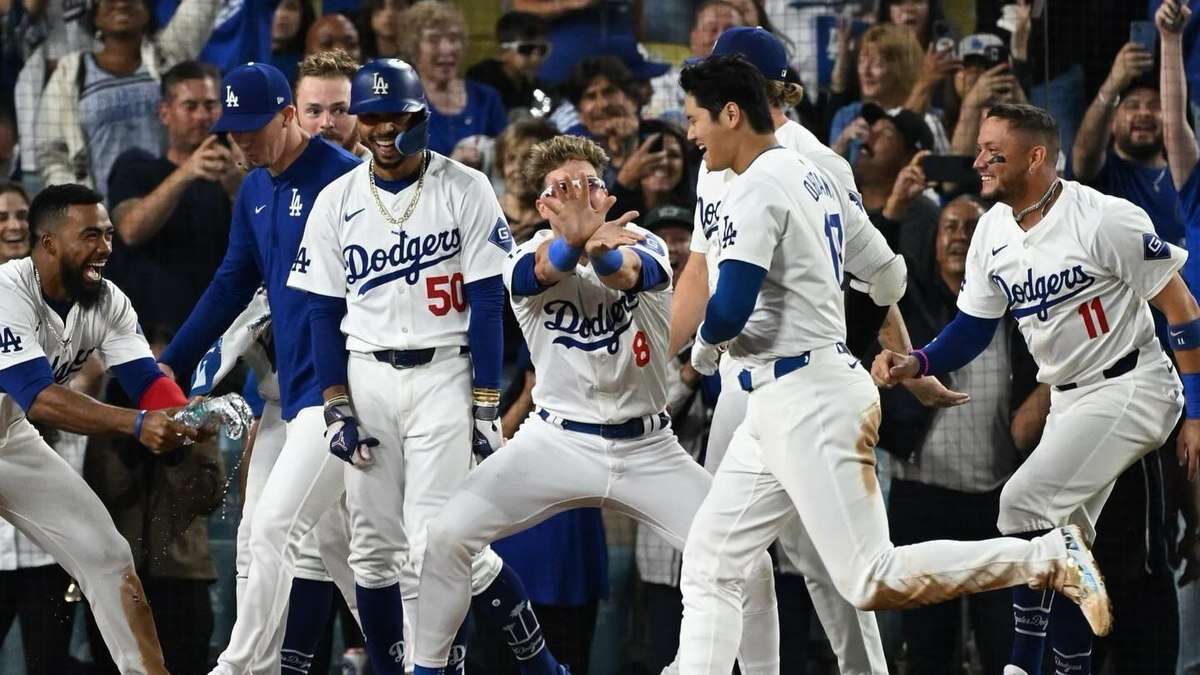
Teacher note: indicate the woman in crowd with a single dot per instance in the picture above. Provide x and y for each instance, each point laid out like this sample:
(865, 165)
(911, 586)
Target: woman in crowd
(289, 28)
(101, 103)
(922, 17)
(379, 28)
(14, 222)
(432, 41)
(515, 198)
(662, 171)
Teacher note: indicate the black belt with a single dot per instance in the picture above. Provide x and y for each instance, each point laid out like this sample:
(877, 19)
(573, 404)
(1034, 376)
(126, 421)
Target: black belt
(627, 429)
(1123, 365)
(410, 358)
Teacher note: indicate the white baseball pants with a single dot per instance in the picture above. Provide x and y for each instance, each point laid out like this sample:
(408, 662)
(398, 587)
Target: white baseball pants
(807, 446)
(301, 485)
(1092, 435)
(853, 634)
(545, 470)
(44, 498)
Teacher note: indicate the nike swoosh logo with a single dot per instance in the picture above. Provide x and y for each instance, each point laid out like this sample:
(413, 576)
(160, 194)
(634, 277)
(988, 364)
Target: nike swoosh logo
(997, 250)
(1176, 333)
(351, 215)
(258, 209)
(854, 365)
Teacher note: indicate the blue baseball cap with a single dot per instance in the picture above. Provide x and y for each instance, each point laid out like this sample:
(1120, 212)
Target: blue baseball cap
(251, 95)
(759, 47)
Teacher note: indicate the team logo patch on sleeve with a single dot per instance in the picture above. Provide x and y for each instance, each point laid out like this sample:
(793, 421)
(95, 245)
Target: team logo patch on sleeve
(1154, 248)
(501, 236)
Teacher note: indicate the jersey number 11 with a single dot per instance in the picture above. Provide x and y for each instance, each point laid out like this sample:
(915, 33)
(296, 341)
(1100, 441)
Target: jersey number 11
(1093, 308)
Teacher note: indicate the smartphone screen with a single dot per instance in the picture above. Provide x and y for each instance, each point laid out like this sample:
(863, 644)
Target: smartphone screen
(1143, 33)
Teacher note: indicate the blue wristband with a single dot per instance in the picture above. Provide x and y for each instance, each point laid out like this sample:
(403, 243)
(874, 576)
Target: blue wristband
(1185, 336)
(1191, 395)
(563, 256)
(137, 425)
(608, 263)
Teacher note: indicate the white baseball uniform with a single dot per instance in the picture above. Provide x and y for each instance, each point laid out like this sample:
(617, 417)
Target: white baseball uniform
(323, 552)
(404, 291)
(1078, 284)
(601, 359)
(40, 494)
(853, 634)
(807, 442)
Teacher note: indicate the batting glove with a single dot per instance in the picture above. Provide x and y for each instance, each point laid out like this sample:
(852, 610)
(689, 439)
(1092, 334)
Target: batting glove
(486, 437)
(705, 356)
(346, 441)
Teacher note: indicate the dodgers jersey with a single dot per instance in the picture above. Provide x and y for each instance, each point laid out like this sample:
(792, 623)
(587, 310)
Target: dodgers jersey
(711, 186)
(31, 329)
(789, 217)
(600, 353)
(1077, 283)
(269, 218)
(404, 287)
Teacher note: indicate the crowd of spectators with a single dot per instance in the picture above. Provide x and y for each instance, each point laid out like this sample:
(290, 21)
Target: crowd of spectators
(120, 95)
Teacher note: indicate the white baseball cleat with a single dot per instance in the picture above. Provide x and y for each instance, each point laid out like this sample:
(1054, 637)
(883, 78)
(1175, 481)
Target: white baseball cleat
(1082, 583)
(1013, 670)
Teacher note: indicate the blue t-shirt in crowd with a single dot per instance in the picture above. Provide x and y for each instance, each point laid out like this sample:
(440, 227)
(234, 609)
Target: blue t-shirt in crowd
(1191, 47)
(1189, 207)
(483, 114)
(563, 560)
(264, 246)
(575, 35)
(242, 31)
(1151, 189)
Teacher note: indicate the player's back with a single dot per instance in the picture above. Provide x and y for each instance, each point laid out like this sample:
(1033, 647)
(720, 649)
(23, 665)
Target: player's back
(790, 217)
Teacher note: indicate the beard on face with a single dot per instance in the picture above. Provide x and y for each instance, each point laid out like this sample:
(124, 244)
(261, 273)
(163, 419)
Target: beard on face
(1141, 151)
(79, 289)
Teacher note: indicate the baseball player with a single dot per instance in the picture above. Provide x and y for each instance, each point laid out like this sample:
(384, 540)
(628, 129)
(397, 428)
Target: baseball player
(321, 560)
(853, 634)
(807, 443)
(597, 334)
(403, 257)
(58, 310)
(264, 246)
(1075, 268)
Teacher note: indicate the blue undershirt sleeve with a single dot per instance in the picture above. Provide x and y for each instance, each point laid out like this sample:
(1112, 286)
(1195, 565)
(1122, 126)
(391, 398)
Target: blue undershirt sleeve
(960, 341)
(653, 275)
(485, 331)
(524, 279)
(730, 306)
(325, 315)
(26, 380)
(136, 376)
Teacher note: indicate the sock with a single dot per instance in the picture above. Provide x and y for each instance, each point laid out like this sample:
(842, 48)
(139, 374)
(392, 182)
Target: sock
(423, 670)
(457, 664)
(1070, 638)
(1031, 618)
(308, 613)
(382, 615)
(505, 605)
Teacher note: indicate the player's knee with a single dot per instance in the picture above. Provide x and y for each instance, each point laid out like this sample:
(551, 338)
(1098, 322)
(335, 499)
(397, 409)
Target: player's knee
(1015, 506)
(445, 538)
(704, 565)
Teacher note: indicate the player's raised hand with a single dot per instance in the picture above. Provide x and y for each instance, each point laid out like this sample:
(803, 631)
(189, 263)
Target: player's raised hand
(890, 368)
(1188, 448)
(612, 235)
(160, 433)
(931, 393)
(572, 212)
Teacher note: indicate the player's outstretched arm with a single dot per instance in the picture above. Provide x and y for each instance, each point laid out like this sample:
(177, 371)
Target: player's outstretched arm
(687, 305)
(1183, 317)
(62, 408)
(960, 341)
(930, 391)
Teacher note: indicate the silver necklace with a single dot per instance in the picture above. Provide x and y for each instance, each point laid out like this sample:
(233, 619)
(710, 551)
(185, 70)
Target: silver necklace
(1039, 204)
(45, 315)
(411, 205)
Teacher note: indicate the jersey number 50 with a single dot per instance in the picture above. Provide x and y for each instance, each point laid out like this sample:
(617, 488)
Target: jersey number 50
(446, 293)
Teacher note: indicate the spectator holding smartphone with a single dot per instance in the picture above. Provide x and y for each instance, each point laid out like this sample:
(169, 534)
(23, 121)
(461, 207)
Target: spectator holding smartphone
(988, 76)
(521, 46)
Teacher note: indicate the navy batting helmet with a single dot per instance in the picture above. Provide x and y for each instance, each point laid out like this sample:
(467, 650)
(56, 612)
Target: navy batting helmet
(390, 86)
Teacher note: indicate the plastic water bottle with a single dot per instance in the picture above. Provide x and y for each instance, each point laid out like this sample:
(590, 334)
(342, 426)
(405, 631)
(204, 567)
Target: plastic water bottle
(230, 413)
(354, 661)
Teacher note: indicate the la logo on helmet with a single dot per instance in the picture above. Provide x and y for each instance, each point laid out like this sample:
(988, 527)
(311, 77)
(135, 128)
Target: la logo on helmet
(380, 85)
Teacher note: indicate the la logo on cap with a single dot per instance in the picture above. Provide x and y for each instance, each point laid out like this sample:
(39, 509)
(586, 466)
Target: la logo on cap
(231, 99)
(380, 85)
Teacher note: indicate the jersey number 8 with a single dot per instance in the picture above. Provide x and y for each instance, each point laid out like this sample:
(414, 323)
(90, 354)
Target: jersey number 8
(446, 293)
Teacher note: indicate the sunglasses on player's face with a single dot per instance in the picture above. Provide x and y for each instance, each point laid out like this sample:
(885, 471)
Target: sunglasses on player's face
(595, 186)
(527, 48)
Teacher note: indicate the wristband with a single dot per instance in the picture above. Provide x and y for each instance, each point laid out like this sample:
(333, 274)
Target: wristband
(137, 425)
(923, 360)
(562, 255)
(608, 263)
(1191, 395)
(1185, 336)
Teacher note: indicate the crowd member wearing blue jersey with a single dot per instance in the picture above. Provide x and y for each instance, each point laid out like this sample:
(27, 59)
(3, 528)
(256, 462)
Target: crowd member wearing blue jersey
(269, 215)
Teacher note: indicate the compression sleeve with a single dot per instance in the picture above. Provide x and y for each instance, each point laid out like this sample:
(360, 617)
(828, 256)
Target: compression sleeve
(136, 376)
(328, 344)
(524, 278)
(960, 341)
(26, 380)
(731, 305)
(485, 332)
(652, 275)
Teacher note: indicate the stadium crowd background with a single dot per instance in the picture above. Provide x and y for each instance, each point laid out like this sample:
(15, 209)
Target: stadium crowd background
(119, 94)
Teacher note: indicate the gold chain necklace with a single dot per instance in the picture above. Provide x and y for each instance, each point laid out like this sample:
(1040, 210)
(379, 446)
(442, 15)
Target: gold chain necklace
(411, 205)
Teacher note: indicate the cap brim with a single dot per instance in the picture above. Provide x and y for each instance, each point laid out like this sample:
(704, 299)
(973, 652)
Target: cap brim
(228, 122)
(650, 70)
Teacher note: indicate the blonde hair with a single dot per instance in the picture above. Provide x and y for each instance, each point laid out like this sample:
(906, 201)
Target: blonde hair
(425, 14)
(549, 155)
(327, 64)
(900, 49)
(784, 94)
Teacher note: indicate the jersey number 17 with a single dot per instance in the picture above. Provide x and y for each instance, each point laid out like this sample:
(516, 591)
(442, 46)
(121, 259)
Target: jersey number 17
(835, 236)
